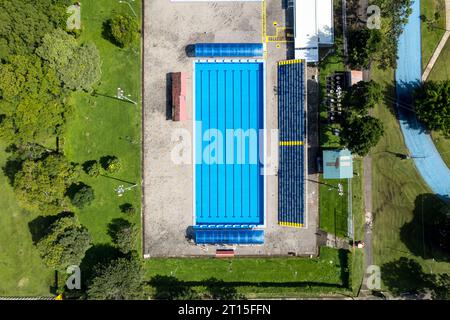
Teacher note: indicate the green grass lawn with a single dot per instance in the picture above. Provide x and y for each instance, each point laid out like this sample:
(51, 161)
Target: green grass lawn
(441, 69)
(327, 139)
(333, 207)
(22, 272)
(431, 37)
(358, 210)
(256, 277)
(442, 143)
(104, 126)
(99, 126)
(396, 185)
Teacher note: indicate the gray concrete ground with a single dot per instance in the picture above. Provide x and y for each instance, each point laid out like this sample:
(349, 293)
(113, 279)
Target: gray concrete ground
(168, 187)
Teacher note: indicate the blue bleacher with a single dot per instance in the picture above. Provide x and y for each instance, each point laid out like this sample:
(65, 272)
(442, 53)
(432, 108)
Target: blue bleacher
(291, 122)
(229, 236)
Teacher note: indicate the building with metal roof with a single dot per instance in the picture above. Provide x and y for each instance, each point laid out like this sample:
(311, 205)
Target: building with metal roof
(313, 20)
(337, 164)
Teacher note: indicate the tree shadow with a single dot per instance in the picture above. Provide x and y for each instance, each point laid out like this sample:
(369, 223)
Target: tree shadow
(219, 290)
(405, 276)
(95, 257)
(11, 168)
(343, 261)
(74, 188)
(170, 288)
(88, 165)
(39, 227)
(107, 33)
(427, 235)
(104, 161)
(126, 207)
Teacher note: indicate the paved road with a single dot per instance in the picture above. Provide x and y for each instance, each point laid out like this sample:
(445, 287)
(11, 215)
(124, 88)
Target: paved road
(441, 44)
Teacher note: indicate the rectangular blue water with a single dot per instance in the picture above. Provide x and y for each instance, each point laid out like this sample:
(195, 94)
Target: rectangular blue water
(229, 185)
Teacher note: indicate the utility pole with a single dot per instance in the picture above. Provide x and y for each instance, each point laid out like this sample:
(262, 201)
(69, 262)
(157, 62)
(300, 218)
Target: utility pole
(121, 189)
(121, 96)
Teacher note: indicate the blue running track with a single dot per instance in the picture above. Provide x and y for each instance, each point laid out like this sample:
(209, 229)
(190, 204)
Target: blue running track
(408, 75)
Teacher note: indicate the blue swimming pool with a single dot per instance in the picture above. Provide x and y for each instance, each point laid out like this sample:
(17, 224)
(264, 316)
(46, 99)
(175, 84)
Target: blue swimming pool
(229, 113)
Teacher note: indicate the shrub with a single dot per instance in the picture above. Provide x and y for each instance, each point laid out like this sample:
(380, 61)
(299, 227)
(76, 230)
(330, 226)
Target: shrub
(92, 168)
(111, 164)
(64, 243)
(83, 196)
(123, 234)
(123, 30)
(127, 208)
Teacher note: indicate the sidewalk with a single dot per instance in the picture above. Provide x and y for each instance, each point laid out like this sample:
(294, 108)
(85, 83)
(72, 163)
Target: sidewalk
(441, 44)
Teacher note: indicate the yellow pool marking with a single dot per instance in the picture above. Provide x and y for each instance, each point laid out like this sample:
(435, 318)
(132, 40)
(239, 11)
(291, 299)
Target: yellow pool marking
(291, 143)
(293, 61)
(291, 224)
(282, 34)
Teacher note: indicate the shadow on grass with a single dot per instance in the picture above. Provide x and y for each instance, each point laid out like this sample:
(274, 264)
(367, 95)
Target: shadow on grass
(11, 168)
(405, 275)
(74, 188)
(343, 261)
(427, 235)
(98, 255)
(170, 288)
(39, 227)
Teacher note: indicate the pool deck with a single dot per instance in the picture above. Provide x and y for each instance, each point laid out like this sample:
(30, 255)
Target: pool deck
(168, 189)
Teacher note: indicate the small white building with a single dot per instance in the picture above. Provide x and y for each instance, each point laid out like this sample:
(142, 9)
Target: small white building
(313, 20)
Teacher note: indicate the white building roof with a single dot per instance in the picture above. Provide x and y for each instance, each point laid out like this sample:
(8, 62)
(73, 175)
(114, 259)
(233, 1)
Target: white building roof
(313, 27)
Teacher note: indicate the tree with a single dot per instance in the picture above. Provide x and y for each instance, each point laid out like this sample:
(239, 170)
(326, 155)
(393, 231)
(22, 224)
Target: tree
(121, 279)
(30, 100)
(64, 244)
(395, 15)
(123, 30)
(432, 105)
(363, 96)
(24, 23)
(360, 134)
(363, 44)
(42, 184)
(123, 234)
(83, 196)
(57, 48)
(78, 67)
